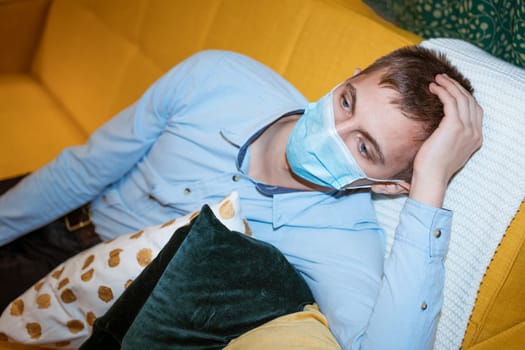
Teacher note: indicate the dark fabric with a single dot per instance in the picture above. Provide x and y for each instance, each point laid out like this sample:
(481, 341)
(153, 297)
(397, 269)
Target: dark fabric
(79, 223)
(219, 285)
(109, 329)
(24, 261)
(7, 184)
(497, 26)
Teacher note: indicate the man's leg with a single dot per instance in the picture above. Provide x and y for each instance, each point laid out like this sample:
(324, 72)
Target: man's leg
(29, 258)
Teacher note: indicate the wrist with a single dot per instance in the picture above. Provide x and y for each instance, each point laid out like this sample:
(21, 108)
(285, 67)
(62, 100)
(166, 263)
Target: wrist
(429, 190)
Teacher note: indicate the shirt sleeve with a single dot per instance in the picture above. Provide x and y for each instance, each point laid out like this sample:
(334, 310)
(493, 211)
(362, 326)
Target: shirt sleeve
(411, 295)
(79, 174)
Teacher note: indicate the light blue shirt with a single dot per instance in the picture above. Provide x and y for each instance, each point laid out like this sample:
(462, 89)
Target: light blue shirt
(186, 142)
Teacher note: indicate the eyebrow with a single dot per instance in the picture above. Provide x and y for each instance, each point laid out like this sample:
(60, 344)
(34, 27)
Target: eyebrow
(374, 143)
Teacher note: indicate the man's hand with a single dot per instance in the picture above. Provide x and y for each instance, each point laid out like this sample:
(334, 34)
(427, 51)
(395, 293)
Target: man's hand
(449, 147)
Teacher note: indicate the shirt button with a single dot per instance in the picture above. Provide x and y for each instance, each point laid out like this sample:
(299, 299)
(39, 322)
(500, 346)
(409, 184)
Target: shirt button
(187, 191)
(437, 233)
(424, 306)
(235, 178)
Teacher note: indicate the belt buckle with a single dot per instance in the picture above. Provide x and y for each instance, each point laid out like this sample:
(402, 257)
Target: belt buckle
(82, 223)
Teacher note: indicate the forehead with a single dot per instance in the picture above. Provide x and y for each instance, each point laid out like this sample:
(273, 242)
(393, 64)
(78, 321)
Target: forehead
(371, 83)
(381, 117)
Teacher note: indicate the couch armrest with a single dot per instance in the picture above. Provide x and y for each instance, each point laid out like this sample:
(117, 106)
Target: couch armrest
(21, 24)
(499, 312)
(509, 339)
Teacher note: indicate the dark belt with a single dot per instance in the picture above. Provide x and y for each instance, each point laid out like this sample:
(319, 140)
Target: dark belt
(78, 222)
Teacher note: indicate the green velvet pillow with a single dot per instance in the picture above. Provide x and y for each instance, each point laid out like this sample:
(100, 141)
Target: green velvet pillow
(218, 285)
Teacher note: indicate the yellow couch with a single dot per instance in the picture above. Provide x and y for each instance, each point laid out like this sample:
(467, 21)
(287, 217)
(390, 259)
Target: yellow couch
(69, 65)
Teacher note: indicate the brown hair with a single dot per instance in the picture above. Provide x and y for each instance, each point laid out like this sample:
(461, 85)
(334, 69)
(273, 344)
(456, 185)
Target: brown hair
(409, 71)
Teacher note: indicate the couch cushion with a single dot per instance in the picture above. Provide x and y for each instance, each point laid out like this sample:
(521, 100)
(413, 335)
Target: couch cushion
(34, 126)
(98, 56)
(499, 313)
(19, 41)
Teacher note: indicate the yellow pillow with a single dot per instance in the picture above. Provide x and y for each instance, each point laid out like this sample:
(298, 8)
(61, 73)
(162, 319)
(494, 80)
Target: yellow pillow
(303, 330)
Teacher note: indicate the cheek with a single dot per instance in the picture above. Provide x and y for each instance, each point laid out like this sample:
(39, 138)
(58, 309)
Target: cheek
(404, 158)
(376, 171)
(339, 116)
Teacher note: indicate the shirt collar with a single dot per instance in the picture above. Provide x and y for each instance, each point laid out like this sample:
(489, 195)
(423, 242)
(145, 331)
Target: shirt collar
(265, 189)
(247, 131)
(242, 142)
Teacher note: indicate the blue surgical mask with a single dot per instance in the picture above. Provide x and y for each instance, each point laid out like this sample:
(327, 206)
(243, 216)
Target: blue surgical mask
(316, 152)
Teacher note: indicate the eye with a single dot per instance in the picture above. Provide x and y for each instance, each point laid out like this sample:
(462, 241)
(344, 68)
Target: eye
(345, 103)
(363, 150)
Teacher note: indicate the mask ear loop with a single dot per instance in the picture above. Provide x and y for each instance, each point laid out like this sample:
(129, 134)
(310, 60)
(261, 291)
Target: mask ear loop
(351, 163)
(366, 181)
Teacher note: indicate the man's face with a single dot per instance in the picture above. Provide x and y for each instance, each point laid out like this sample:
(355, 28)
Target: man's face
(379, 136)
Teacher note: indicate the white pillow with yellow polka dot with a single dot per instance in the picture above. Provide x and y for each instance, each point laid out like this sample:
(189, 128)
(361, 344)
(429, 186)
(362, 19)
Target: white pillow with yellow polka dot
(59, 310)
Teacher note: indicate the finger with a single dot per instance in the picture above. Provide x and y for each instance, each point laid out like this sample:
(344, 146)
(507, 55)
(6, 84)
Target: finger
(450, 107)
(474, 110)
(463, 99)
(471, 114)
(480, 113)
(460, 90)
(479, 123)
(455, 87)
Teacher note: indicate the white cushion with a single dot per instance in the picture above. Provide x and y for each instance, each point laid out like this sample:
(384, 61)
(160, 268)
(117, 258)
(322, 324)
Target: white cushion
(486, 194)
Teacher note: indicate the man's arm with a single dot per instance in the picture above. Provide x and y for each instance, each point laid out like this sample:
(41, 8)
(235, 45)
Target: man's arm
(458, 136)
(80, 174)
(75, 177)
(409, 302)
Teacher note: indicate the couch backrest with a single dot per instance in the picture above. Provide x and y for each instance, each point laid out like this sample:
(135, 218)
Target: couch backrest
(98, 56)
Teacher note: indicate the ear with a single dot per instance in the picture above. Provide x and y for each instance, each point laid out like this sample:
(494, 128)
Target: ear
(391, 188)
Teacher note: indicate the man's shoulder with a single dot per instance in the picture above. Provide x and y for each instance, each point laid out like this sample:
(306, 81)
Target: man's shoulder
(233, 68)
(224, 57)
(215, 54)
(227, 62)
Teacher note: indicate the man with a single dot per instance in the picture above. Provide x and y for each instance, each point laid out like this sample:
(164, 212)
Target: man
(220, 122)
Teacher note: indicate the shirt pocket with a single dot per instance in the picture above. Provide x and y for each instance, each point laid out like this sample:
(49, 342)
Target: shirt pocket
(189, 196)
(114, 215)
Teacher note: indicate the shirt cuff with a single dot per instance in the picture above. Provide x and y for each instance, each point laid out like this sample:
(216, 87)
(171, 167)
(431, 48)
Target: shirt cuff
(425, 227)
